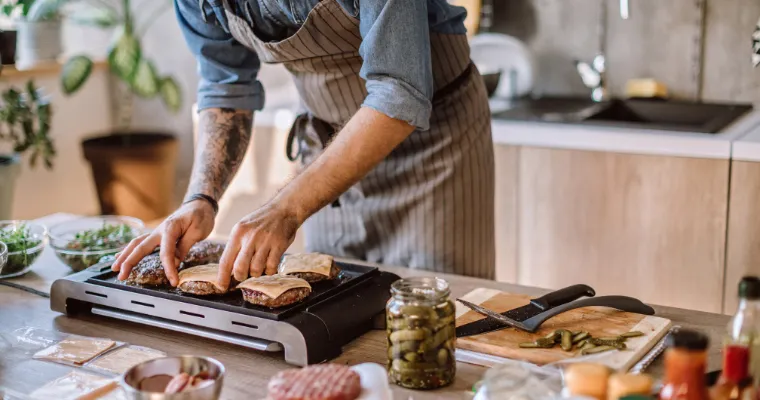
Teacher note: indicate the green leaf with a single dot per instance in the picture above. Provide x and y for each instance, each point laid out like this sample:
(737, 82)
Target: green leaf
(124, 56)
(75, 72)
(95, 16)
(145, 81)
(8, 9)
(171, 94)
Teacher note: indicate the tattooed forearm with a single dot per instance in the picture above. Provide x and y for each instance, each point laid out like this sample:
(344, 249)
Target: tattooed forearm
(223, 138)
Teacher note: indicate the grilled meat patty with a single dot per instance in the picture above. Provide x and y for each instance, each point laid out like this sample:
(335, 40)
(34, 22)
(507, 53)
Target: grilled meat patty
(148, 272)
(285, 299)
(312, 277)
(202, 253)
(200, 288)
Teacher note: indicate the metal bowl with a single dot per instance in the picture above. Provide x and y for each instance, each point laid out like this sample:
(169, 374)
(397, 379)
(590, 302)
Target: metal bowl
(172, 366)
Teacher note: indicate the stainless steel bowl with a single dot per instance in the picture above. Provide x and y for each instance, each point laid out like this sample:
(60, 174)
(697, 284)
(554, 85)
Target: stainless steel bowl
(172, 366)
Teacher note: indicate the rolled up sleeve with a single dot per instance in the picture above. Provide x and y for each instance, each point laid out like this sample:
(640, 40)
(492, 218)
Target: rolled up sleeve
(396, 59)
(228, 70)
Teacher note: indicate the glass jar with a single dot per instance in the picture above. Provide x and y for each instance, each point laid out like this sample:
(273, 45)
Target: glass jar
(421, 333)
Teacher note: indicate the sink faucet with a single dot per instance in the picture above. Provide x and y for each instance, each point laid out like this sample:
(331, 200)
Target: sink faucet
(593, 76)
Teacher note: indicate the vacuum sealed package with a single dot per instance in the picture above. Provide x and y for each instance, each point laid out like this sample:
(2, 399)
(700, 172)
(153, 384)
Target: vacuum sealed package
(33, 379)
(57, 347)
(120, 360)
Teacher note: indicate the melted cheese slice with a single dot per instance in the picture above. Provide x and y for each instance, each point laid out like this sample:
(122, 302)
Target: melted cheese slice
(310, 262)
(201, 273)
(75, 350)
(274, 285)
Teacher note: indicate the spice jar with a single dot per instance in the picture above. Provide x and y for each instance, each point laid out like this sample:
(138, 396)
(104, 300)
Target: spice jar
(421, 333)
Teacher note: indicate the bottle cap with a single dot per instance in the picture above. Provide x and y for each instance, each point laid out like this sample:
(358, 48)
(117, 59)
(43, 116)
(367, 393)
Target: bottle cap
(687, 339)
(749, 288)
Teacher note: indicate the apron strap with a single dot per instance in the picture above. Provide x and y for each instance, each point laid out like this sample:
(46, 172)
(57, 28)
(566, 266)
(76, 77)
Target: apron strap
(298, 131)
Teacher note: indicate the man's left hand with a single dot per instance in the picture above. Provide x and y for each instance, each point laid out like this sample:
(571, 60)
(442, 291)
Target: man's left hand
(257, 243)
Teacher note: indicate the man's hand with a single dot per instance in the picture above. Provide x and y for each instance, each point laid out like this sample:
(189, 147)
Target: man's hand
(188, 225)
(257, 243)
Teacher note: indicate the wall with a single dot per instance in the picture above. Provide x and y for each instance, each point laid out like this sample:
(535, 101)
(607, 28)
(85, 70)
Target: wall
(700, 48)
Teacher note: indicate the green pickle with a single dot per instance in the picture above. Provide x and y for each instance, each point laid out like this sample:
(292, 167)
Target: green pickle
(421, 335)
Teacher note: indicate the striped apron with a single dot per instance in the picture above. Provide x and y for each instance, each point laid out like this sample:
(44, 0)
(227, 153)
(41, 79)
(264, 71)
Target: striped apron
(430, 203)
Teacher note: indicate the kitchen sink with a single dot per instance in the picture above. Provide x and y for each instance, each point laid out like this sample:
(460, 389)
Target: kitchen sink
(632, 113)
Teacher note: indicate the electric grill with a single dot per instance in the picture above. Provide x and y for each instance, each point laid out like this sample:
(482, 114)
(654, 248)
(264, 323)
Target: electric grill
(312, 331)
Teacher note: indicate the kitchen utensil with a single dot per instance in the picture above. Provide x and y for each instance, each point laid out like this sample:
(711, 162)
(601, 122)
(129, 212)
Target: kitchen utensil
(172, 366)
(494, 52)
(491, 81)
(535, 307)
(309, 332)
(494, 347)
(622, 303)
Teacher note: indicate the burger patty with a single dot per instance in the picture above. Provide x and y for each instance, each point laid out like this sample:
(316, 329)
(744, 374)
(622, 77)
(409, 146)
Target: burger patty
(202, 253)
(315, 382)
(285, 299)
(148, 272)
(312, 277)
(200, 288)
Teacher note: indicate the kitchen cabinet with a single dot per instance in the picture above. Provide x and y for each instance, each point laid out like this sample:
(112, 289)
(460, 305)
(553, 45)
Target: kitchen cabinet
(653, 227)
(505, 213)
(743, 244)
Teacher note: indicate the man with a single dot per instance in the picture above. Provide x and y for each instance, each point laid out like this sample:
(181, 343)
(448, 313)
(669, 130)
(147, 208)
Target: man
(396, 144)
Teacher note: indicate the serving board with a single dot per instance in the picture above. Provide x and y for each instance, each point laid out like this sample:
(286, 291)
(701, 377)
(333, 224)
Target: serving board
(598, 321)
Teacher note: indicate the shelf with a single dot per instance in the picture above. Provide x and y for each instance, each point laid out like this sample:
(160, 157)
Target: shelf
(41, 69)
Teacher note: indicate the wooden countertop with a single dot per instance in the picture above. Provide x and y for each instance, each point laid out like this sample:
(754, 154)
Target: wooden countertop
(249, 370)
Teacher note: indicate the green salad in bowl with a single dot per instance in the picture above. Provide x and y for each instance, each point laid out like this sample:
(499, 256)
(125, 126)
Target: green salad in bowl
(25, 241)
(81, 243)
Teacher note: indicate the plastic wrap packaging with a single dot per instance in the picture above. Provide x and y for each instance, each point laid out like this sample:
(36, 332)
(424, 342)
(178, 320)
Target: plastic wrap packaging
(62, 348)
(33, 379)
(119, 360)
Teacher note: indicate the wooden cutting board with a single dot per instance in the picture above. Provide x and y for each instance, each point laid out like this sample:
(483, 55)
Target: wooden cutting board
(598, 321)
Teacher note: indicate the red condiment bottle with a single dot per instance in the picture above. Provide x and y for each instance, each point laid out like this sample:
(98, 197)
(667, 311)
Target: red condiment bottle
(733, 381)
(685, 366)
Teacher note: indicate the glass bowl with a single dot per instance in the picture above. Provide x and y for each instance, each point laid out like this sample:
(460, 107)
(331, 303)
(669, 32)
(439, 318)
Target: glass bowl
(3, 255)
(82, 242)
(25, 241)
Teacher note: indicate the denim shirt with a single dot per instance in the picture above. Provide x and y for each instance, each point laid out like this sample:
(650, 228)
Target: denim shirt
(395, 49)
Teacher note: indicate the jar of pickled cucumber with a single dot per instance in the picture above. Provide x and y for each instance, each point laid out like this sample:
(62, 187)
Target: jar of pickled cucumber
(421, 333)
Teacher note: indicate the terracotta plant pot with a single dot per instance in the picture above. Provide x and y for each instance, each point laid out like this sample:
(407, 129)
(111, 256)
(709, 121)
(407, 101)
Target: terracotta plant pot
(134, 173)
(8, 47)
(10, 166)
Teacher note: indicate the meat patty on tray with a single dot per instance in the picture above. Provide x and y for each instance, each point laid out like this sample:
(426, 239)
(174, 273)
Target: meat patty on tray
(312, 277)
(312, 267)
(315, 382)
(148, 272)
(200, 288)
(274, 291)
(203, 252)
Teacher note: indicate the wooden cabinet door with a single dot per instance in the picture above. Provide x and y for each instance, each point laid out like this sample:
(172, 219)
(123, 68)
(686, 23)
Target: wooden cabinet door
(652, 227)
(743, 257)
(506, 162)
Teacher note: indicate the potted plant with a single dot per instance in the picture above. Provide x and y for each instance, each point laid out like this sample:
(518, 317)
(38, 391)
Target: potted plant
(25, 125)
(39, 33)
(11, 9)
(134, 171)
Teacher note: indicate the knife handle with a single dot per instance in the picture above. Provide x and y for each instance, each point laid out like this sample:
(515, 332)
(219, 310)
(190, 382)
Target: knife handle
(623, 303)
(562, 296)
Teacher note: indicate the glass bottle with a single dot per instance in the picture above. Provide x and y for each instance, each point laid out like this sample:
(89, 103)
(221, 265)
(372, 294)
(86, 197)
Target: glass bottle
(421, 333)
(685, 365)
(744, 327)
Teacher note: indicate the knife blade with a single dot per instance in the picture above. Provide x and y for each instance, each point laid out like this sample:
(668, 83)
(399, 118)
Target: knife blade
(519, 314)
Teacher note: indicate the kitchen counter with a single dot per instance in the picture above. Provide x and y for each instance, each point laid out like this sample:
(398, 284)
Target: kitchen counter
(626, 140)
(249, 370)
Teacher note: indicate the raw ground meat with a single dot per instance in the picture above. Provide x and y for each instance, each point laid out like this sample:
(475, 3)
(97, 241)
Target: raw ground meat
(316, 382)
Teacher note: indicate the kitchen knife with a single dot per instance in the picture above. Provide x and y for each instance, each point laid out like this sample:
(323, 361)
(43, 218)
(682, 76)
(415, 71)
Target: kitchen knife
(622, 303)
(519, 314)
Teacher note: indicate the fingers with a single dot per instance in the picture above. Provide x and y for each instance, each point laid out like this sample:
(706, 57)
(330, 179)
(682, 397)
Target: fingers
(243, 262)
(228, 259)
(168, 253)
(273, 261)
(259, 263)
(141, 250)
(122, 255)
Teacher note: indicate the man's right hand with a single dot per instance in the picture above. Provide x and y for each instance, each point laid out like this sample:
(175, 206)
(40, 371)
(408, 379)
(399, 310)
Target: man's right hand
(188, 225)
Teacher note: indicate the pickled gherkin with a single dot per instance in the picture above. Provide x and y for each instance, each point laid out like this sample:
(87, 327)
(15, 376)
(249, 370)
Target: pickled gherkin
(421, 334)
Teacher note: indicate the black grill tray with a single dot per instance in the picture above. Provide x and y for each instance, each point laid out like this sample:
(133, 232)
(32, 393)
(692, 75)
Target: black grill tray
(350, 275)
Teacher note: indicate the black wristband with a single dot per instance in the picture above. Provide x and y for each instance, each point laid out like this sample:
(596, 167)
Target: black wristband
(207, 198)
